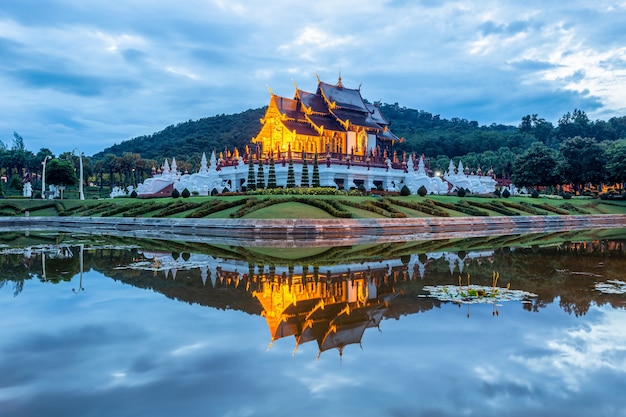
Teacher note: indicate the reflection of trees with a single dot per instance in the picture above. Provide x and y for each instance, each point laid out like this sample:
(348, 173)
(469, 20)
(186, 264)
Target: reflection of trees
(565, 272)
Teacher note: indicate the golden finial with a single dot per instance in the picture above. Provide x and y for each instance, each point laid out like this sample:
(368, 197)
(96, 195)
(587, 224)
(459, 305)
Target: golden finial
(269, 89)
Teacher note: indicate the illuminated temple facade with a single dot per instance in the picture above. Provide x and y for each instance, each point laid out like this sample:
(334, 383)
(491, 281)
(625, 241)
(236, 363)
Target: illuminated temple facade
(334, 126)
(334, 120)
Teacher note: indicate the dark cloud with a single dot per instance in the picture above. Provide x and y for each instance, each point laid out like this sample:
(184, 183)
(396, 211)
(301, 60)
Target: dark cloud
(112, 69)
(82, 85)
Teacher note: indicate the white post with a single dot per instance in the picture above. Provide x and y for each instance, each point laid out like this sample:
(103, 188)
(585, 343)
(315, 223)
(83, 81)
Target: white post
(43, 177)
(81, 195)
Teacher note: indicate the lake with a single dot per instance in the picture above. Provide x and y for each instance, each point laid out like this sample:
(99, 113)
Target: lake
(485, 326)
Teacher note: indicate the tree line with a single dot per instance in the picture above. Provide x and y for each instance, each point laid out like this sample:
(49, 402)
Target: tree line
(535, 153)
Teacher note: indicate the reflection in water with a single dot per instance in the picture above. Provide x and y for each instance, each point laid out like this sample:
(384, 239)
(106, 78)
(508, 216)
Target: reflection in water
(195, 342)
(332, 295)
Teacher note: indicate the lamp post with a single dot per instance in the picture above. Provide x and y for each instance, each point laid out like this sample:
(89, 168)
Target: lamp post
(43, 177)
(81, 195)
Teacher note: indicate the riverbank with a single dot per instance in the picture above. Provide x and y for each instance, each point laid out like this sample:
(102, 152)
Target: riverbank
(328, 231)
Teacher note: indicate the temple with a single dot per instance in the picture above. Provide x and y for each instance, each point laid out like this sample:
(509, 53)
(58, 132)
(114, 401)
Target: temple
(334, 120)
(335, 126)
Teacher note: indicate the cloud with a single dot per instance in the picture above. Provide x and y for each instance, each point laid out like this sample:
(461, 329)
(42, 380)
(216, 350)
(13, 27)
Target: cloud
(124, 70)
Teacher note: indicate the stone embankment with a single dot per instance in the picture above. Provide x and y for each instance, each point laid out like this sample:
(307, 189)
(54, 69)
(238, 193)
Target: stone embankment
(355, 230)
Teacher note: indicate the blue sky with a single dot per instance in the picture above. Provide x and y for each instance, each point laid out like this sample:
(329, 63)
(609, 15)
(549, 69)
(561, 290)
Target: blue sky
(89, 74)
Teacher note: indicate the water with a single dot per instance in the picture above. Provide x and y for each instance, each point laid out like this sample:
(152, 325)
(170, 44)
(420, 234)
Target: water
(105, 326)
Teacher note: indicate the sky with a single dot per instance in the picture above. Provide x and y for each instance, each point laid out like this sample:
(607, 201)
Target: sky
(86, 74)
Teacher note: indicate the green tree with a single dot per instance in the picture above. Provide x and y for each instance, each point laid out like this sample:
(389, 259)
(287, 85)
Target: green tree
(541, 129)
(61, 173)
(573, 124)
(251, 179)
(537, 166)
(304, 181)
(316, 172)
(615, 166)
(291, 178)
(271, 175)
(260, 175)
(582, 162)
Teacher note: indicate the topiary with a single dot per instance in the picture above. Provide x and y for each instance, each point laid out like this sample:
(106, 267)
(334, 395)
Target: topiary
(567, 196)
(405, 190)
(497, 193)
(214, 191)
(506, 193)
(461, 192)
(185, 193)
(133, 194)
(175, 193)
(422, 191)
(534, 194)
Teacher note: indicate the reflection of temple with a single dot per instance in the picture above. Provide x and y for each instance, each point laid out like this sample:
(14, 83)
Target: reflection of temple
(333, 309)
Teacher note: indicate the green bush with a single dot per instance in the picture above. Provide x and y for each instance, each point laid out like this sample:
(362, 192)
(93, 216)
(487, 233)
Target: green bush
(133, 194)
(175, 193)
(506, 193)
(461, 192)
(567, 196)
(185, 193)
(534, 194)
(422, 191)
(497, 193)
(405, 190)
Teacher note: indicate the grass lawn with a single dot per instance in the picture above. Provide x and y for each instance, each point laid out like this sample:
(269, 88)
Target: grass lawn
(289, 211)
(286, 210)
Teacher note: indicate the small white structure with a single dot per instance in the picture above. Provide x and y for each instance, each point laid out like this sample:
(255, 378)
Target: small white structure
(27, 190)
(232, 176)
(416, 179)
(479, 184)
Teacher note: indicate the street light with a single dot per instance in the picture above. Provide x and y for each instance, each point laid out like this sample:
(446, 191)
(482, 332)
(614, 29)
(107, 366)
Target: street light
(43, 177)
(81, 195)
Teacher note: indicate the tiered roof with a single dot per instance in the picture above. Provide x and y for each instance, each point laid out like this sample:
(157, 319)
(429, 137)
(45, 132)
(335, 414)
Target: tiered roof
(332, 108)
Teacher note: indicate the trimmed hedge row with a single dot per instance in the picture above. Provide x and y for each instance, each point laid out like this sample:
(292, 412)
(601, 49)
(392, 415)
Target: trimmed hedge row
(494, 206)
(98, 208)
(177, 207)
(144, 208)
(213, 206)
(570, 207)
(427, 207)
(464, 207)
(552, 209)
(384, 208)
(525, 207)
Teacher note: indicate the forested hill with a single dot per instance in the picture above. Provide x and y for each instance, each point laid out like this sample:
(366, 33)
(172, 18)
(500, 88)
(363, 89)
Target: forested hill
(192, 137)
(424, 133)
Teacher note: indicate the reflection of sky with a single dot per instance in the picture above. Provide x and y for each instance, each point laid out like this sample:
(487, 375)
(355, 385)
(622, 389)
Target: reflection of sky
(116, 350)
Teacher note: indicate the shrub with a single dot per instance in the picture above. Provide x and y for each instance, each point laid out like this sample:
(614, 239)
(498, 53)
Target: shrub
(461, 192)
(185, 193)
(506, 193)
(133, 194)
(497, 193)
(214, 191)
(422, 191)
(405, 190)
(175, 193)
(567, 196)
(534, 194)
